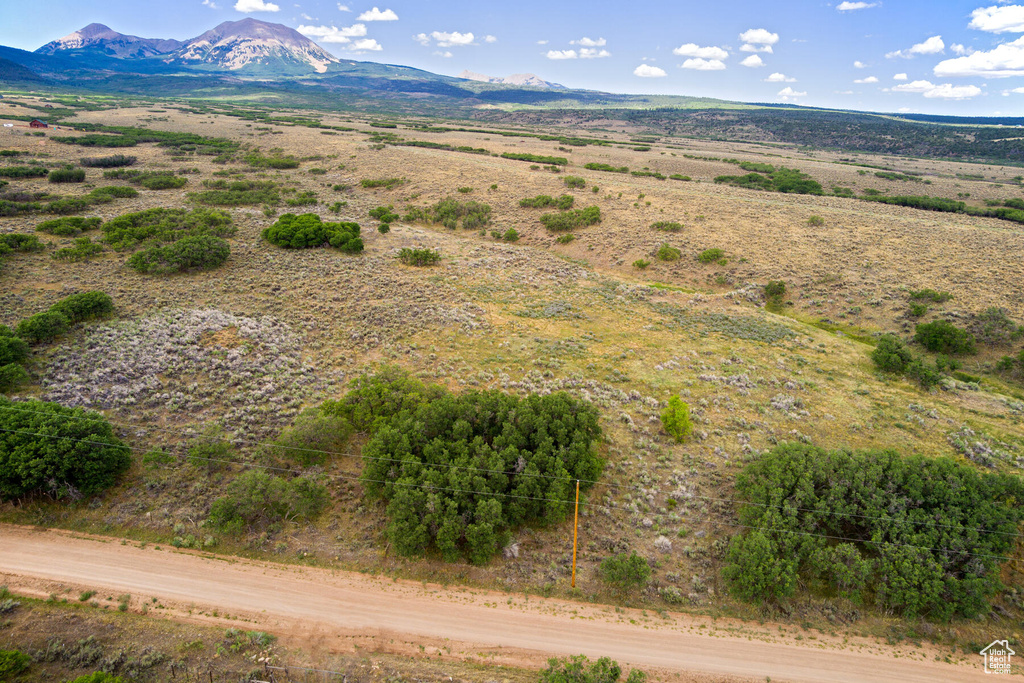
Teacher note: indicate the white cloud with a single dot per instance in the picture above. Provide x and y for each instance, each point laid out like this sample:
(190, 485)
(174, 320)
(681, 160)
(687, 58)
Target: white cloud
(366, 45)
(961, 51)
(333, 34)
(699, 64)
(593, 53)
(490, 39)
(446, 54)
(844, 92)
(932, 46)
(648, 71)
(779, 78)
(869, 79)
(753, 61)
(759, 36)
(343, 8)
(1009, 19)
(562, 54)
(589, 42)
(694, 50)
(209, 3)
(1019, 91)
(376, 15)
(788, 93)
(758, 40)
(422, 38)
(859, 65)
(851, 6)
(946, 91)
(1000, 62)
(900, 77)
(543, 42)
(255, 6)
(445, 39)
(306, 17)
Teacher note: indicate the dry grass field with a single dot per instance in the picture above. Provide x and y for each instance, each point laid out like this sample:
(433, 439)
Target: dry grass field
(247, 346)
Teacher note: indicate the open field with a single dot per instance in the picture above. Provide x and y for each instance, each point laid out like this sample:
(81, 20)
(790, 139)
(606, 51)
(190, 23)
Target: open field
(249, 345)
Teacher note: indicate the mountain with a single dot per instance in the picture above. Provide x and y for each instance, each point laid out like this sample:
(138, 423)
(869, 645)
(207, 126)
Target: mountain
(12, 72)
(108, 41)
(251, 43)
(521, 80)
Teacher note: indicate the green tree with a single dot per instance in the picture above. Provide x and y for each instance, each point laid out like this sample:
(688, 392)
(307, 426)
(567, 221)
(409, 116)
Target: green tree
(891, 354)
(626, 571)
(12, 664)
(675, 419)
(755, 572)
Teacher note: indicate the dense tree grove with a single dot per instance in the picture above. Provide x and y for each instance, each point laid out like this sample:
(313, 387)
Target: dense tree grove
(914, 535)
(308, 230)
(459, 472)
(65, 452)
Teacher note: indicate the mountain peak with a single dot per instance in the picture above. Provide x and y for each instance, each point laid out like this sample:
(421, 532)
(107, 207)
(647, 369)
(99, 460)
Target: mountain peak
(105, 39)
(515, 79)
(236, 44)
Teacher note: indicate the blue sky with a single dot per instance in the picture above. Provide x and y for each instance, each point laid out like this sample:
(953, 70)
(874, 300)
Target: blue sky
(937, 56)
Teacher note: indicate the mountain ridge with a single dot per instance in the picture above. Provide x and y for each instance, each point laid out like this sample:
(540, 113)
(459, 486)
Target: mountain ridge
(105, 39)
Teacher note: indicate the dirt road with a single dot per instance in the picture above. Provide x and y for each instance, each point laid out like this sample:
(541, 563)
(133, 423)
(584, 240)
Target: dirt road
(323, 608)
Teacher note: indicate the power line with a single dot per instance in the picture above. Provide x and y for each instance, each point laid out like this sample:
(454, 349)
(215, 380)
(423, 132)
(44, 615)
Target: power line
(507, 495)
(470, 468)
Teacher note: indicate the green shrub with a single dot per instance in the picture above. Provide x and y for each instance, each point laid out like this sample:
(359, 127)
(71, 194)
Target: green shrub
(84, 306)
(12, 376)
(99, 677)
(385, 214)
(570, 220)
(256, 499)
(649, 174)
(536, 158)
(60, 451)
(12, 349)
(874, 526)
(161, 181)
(114, 161)
(943, 336)
(470, 450)
(314, 437)
(384, 228)
(68, 227)
(538, 202)
(308, 231)
(675, 419)
(928, 294)
(238, 193)
(667, 253)
(680, 176)
(667, 226)
(42, 327)
(994, 327)
(574, 182)
(783, 179)
(815, 221)
(605, 167)
(565, 239)
(196, 252)
(83, 250)
(386, 183)
(276, 161)
(511, 235)
(449, 212)
(419, 257)
(626, 571)
(12, 664)
(16, 241)
(578, 669)
(916, 310)
(162, 225)
(640, 264)
(775, 293)
(711, 255)
(23, 171)
(891, 354)
(66, 175)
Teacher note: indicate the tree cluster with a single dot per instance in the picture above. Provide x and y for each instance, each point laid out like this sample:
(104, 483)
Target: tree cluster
(458, 473)
(915, 535)
(308, 231)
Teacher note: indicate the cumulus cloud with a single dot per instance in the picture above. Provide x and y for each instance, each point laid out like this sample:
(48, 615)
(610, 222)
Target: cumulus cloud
(543, 42)
(562, 54)
(1000, 62)
(446, 54)
(699, 64)
(900, 77)
(694, 50)
(932, 46)
(851, 6)
(648, 71)
(758, 40)
(490, 39)
(255, 6)
(859, 65)
(1019, 91)
(779, 78)
(589, 42)
(788, 93)
(366, 45)
(333, 34)
(753, 61)
(869, 79)
(945, 91)
(1006, 19)
(376, 15)
(209, 3)
(343, 8)
(593, 53)
(445, 39)
(961, 51)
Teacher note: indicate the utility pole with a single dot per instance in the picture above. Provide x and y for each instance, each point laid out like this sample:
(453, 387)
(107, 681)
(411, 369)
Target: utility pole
(575, 529)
